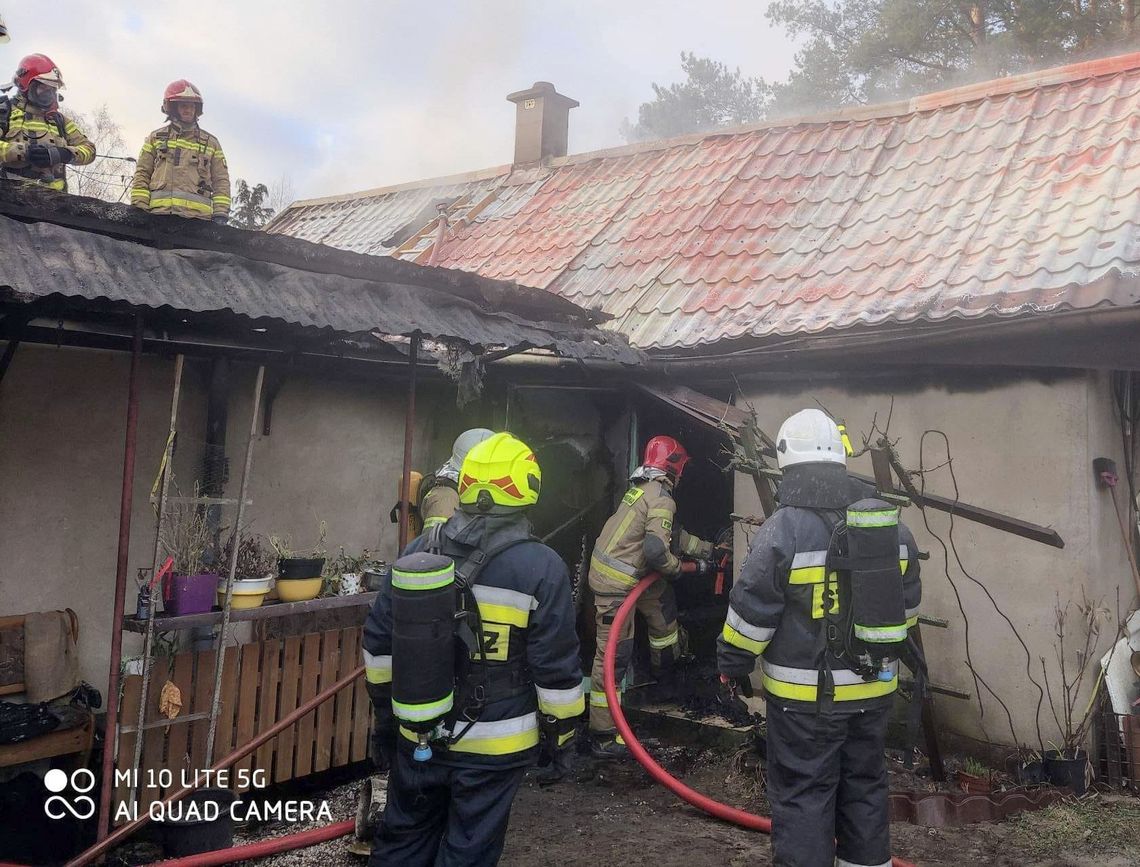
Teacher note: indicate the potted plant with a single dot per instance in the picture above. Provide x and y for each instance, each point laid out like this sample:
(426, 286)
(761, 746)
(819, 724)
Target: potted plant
(253, 571)
(299, 571)
(974, 778)
(344, 574)
(1027, 767)
(184, 536)
(1067, 763)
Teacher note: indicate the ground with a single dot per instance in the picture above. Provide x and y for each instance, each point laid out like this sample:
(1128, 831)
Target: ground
(616, 815)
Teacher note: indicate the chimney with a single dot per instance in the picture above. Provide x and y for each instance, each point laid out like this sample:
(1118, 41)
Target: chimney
(542, 122)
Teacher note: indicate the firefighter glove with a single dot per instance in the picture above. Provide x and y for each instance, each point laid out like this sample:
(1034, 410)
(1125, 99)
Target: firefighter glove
(554, 751)
(45, 156)
(729, 692)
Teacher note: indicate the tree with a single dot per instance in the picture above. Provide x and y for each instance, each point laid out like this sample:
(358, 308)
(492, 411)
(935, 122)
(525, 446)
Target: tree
(251, 207)
(281, 193)
(109, 176)
(857, 51)
(711, 96)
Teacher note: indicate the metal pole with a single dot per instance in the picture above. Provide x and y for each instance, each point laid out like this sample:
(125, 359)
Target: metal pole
(215, 704)
(125, 504)
(148, 640)
(409, 430)
(104, 845)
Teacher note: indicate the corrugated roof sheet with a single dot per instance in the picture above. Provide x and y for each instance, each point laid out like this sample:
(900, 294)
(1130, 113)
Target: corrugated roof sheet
(80, 264)
(1001, 199)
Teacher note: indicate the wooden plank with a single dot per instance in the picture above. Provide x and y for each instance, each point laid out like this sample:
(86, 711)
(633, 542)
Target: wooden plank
(330, 663)
(342, 738)
(200, 703)
(247, 704)
(306, 726)
(286, 703)
(361, 709)
(154, 740)
(224, 734)
(266, 611)
(178, 737)
(267, 703)
(128, 715)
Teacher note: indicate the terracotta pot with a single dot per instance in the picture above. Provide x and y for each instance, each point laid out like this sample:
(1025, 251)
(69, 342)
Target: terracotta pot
(972, 785)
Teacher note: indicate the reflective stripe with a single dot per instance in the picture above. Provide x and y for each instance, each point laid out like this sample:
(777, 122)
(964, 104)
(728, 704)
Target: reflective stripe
(735, 639)
(809, 558)
(501, 605)
(611, 573)
(881, 634)
(877, 518)
(561, 703)
(692, 544)
(800, 684)
(377, 669)
(140, 193)
(664, 514)
(616, 564)
(621, 529)
(497, 738)
(911, 617)
(756, 633)
(839, 862)
(817, 592)
(423, 580)
(185, 144)
(179, 202)
(433, 522)
(807, 575)
(221, 200)
(598, 698)
(423, 712)
(665, 640)
(565, 737)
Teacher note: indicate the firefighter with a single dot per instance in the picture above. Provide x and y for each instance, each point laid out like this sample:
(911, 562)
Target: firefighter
(637, 539)
(523, 686)
(439, 497)
(181, 167)
(827, 779)
(37, 142)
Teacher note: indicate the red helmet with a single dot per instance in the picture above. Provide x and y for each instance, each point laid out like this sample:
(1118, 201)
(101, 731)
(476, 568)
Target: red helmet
(665, 453)
(180, 91)
(37, 67)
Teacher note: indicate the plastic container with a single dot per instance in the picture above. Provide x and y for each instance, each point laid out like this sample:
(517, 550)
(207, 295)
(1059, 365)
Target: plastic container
(300, 567)
(248, 592)
(1069, 773)
(188, 828)
(190, 594)
(299, 589)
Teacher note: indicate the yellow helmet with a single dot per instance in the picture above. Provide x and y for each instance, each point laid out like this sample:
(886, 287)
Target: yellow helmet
(505, 468)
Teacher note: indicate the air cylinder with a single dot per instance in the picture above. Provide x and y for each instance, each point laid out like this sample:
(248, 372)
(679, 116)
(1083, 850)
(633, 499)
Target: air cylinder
(423, 644)
(878, 609)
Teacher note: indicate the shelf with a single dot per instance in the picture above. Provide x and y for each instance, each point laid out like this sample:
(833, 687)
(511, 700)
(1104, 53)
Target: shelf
(269, 610)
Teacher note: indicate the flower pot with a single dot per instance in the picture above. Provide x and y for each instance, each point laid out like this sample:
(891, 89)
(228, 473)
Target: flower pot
(200, 822)
(1067, 772)
(248, 593)
(190, 594)
(973, 785)
(300, 567)
(299, 589)
(350, 584)
(374, 578)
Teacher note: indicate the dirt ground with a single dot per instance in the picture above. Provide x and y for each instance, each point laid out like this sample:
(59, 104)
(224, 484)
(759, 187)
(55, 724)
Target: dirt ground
(614, 815)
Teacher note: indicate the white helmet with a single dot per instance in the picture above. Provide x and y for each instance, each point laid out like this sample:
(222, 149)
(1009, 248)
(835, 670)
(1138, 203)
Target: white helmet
(809, 437)
(463, 444)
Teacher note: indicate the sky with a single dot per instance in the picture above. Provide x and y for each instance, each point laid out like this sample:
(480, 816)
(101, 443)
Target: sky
(343, 96)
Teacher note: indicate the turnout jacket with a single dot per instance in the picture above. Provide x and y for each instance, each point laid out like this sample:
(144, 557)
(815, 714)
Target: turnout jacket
(182, 171)
(28, 126)
(776, 610)
(439, 503)
(638, 539)
(524, 601)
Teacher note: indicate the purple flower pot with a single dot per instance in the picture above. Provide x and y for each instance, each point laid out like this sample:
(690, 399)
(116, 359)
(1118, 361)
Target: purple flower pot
(191, 594)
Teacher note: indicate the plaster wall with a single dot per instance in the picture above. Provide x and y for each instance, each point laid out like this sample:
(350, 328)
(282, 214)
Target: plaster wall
(1022, 446)
(334, 453)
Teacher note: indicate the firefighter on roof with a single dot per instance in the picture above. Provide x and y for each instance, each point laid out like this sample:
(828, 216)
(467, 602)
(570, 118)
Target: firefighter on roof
(37, 142)
(637, 539)
(458, 730)
(181, 168)
(825, 598)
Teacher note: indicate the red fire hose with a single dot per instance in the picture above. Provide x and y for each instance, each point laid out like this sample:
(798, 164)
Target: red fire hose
(658, 773)
(264, 847)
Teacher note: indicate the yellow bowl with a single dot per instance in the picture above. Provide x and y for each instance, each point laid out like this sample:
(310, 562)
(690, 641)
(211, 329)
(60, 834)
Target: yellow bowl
(299, 589)
(248, 599)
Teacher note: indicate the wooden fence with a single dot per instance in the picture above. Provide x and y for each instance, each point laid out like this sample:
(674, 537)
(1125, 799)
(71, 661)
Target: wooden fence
(261, 683)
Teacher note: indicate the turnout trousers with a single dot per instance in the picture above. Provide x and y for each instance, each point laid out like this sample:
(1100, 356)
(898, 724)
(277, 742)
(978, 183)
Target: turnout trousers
(827, 784)
(658, 605)
(443, 816)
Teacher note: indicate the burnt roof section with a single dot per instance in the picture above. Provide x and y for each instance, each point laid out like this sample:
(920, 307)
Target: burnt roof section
(79, 248)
